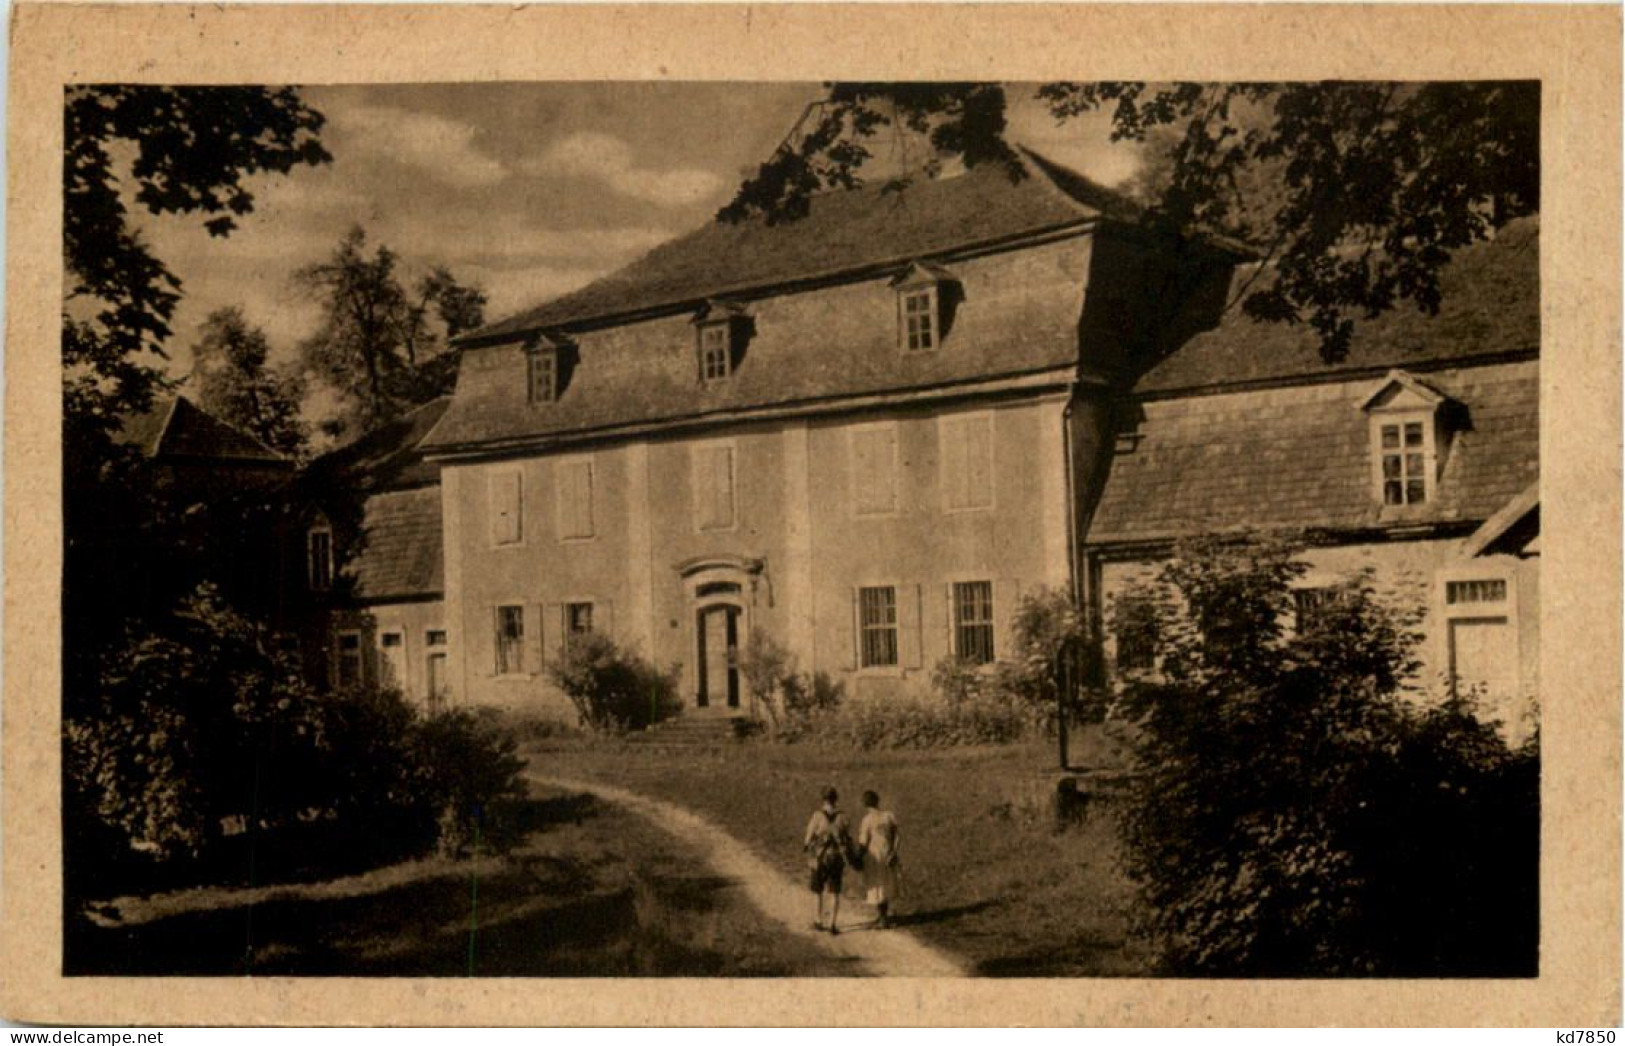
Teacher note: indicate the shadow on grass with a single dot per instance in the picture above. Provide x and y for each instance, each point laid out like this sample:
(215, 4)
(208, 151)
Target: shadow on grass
(937, 915)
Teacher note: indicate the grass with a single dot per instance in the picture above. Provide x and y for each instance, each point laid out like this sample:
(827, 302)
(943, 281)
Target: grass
(987, 876)
(589, 891)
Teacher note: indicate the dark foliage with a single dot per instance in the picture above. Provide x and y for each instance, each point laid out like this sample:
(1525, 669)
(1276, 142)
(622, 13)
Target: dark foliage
(1295, 812)
(203, 753)
(1357, 194)
(192, 149)
(382, 347)
(237, 385)
(614, 690)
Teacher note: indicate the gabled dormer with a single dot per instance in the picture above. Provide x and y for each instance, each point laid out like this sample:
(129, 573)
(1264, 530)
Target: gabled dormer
(1409, 440)
(926, 297)
(721, 330)
(549, 361)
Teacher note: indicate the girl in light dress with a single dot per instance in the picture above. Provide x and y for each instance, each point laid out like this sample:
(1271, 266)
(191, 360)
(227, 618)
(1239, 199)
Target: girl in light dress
(882, 870)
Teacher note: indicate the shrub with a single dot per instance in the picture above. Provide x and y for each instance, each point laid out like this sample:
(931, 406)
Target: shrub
(922, 722)
(767, 667)
(1047, 664)
(957, 680)
(614, 690)
(202, 738)
(1293, 812)
(468, 775)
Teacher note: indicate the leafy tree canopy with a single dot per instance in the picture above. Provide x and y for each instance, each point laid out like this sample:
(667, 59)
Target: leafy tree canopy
(1355, 194)
(179, 150)
(381, 345)
(236, 384)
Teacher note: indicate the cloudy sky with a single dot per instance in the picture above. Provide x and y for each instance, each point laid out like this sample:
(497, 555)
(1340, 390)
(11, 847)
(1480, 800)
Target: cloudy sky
(528, 190)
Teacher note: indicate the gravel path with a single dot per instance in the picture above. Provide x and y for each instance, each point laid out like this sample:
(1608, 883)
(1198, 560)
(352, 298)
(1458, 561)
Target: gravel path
(889, 953)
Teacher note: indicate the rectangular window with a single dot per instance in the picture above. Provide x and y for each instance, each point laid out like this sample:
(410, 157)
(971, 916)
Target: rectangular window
(973, 621)
(919, 319)
(350, 664)
(544, 375)
(967, 461)
(713, 486)
(714, 361)
(321, 559)
(434, 637)
(877, 626)
(573, 480)
(578, 618)
(874, 469)
(510, 640)
(1404, 463)
(1486, 590)
(1134, 628)
(507, 507)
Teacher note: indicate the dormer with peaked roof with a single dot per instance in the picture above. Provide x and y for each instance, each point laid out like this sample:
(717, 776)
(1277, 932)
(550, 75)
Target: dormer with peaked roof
(1409, 441)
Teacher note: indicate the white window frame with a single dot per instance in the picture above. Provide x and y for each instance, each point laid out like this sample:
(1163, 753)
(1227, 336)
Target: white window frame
(561, 518)
(325, 582)
(992, 624)
(895, 666)
(492, 476)
(499, 668)
(534, 356)
(723, 327)
(852, 435)
(698, 454)
(933, 313)
(1430, 456)
(946, 422)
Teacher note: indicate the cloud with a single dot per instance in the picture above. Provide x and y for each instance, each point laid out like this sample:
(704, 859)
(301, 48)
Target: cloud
(442, 148)
(609, 159)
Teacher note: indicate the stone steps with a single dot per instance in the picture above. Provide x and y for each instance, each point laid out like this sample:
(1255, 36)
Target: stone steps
(697, 732)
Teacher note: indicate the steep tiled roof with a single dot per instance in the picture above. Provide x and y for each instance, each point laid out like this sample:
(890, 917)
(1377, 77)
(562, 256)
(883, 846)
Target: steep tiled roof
(1490, 305)
(401, 551)
(387, 457)
(177, 428)
(1300, 457)
(845, 231)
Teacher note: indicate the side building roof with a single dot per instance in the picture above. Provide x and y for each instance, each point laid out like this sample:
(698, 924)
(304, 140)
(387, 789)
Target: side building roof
(1245, 426)
(175, 427)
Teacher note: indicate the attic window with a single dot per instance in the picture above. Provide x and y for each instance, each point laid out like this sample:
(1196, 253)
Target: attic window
(543, 363)
(1405, 432)
(721, 329)
(923, 294)
(319, 549)
(715, 363)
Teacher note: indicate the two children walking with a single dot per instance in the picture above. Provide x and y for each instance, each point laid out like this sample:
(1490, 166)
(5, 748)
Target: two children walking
(830, 847)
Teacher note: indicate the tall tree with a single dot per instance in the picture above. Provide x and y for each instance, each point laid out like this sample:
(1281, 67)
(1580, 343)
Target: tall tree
(381, 346)
(1356, 194)
(188, 151)
(237, 384)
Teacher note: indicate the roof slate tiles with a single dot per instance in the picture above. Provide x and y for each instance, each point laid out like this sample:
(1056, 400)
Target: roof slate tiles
(401, 551)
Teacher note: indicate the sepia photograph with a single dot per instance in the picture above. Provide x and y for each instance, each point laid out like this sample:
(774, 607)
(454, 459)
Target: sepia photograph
(649, 533)
(888, 529)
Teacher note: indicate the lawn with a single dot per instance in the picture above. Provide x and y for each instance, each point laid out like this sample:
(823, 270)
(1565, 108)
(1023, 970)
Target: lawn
(589, 891)
(987, 876)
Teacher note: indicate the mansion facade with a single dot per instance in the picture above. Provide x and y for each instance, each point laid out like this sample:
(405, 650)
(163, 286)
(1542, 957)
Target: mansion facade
(869, 432)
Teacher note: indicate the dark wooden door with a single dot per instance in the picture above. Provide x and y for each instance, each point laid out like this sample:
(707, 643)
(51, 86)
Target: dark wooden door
(718, 629)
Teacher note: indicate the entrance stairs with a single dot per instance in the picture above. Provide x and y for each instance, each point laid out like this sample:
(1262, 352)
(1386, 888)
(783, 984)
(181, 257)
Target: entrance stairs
(692, 732)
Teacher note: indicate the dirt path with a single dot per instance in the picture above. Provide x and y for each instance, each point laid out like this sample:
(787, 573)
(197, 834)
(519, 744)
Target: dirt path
(891, 953)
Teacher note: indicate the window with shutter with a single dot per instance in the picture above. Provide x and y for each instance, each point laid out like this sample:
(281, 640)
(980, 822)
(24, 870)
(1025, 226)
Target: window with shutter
(877, 626)
(973, 621)
(714, 486)
(874, 469)
(507, 494)
(510, 640)
(574, 494)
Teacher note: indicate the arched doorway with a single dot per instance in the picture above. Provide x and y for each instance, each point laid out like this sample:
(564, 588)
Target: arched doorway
(720, 592)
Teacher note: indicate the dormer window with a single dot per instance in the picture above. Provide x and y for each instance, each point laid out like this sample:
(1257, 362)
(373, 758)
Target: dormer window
(1405, 441)
(925, 294)
(544, 374)
(549, 360)
(319, 557)
(721, 329)
(714, 356)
